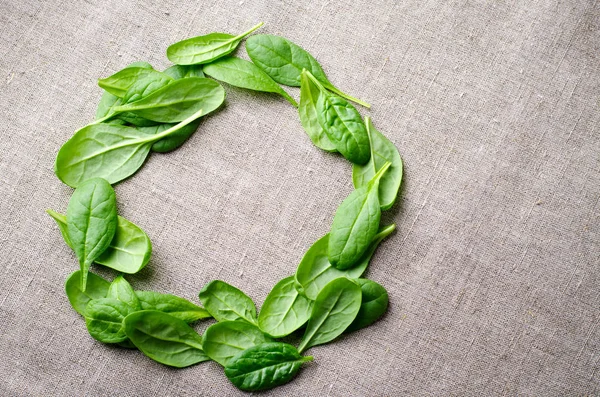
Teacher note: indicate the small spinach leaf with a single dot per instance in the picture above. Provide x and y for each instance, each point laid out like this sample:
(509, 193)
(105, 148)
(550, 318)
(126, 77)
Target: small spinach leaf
(334, 310)
(241, 73)
(145, 85)
(164, 338)
(309, 96)
(61, 222)
(226, 302)
(104, 319)
(284, 310)
(265, 366)
(205, 49)
(97, 288)
(284, 61)
(173, 305)
(119, 83)
(355, 224)
(121, 290)
(180, 71)
(382, 151)
(223, 341)
(315, 271)
(175, 140)
(91, 222)
(373, 305)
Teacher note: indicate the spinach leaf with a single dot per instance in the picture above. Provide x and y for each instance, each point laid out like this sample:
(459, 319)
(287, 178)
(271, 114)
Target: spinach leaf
(175, 101)
(128, 252)
(91, 222)
(343, 125)
(373, 305)
(309, 96)
(265, 366)
(97, 288)
(334, 310)
(145, 85)
(180, 71)
(205, 49)
(173, 305)
(164, 338)
(119, 83)
(223, 341)
(225, 302)
(107, 103)
(174, 140)
(104, 319)
(382, 151)
(121, 290)
(284, 61)
(284, 310)
(355, 224)
(241, 73)
(110, 151)
(315, 271)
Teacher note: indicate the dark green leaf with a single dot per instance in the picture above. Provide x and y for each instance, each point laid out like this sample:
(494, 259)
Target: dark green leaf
(164, 338)
(334, 310)
(205, 49)
(225, 302)
(284, 310)
(373, 305)
(309, 96)
(223, 341)
(97, 288)
(172, 305)
(174, 140)
(265, 366)
(61, 222)
(104, 319)
(91, 222)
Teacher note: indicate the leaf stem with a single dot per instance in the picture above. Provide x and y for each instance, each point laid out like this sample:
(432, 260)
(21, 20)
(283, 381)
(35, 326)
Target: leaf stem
(348, 97)
(250, 31)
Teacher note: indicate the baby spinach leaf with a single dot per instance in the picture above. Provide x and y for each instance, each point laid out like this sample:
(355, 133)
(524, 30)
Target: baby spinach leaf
(265, 366)
(180, 71)
(241, 73)
(343, 125)
(119, 83)
(173, 141)
(309, 96)
(97, 288)
(355, 224)
(128, 252)
(104, 319)
(110, 151)
(139, 64)
(373, 305)
(145, 85)
(121, 290)
(173, 305)
(225, 302)
(223, 341)
(334, 310)
(284, 62)
(382, 151)
(175, 101)
(205, 49)
(107, 103)
(164, 338)
(284, 310)
(315, 271)
(91, 222)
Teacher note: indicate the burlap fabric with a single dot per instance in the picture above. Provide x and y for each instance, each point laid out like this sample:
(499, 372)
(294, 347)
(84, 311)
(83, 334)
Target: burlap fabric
(493, 273)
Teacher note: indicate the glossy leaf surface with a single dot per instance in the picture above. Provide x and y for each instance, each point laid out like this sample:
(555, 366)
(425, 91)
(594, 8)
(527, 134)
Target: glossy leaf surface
(173, 305)
(97, 288)
(309, 96)
(121, 290)
(226, 302)
(225, 340)
(104, 319)
(373, 305)
(284, 310)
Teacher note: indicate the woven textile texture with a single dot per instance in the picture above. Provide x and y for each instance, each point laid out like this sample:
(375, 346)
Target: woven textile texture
(493, 273)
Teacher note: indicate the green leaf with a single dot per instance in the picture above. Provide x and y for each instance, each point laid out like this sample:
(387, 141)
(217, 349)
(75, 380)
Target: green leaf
(309, 96)
(119, 83)
(173, 305)
(382, 151)
(223, 341)
(373, 305)
(91, 222)
(145, 85)
(265, 366)
(180, 71)
(174, 140)
(121, 290)
(355, 224)
(107, 104)
(225, 302)
(104, 319)
(334, 310)
(110, 151)
(284, 310)
(164, 338)
(205, 49)
(284, 62)
(128, 252)
(315, 271)
(342, 124)
(241, 73)
(97, 288)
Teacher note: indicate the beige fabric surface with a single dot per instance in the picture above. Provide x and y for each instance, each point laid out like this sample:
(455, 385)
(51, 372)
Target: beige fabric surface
(493, 274)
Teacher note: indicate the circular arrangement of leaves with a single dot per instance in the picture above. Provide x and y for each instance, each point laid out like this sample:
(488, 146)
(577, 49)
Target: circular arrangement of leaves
(144, 110)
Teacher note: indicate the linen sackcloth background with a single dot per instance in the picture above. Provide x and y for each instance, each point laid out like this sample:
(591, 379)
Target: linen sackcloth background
(492, 275)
